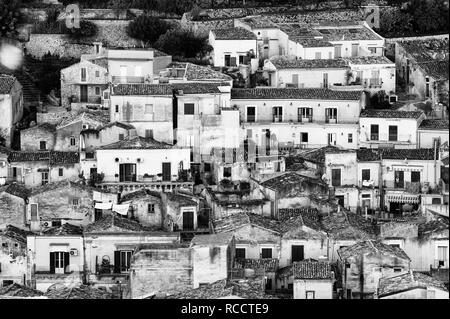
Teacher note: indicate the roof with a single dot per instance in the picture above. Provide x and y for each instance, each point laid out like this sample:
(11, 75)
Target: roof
(5, 150)
(283, 63)
(18, 190)
(298, 31)
(116, 224)
(424, 154)
(314, 43)
(141, 193)
(180, 199)
(436, 69)
(434, 125)
(425, 50)
(368, 155)
(287, 179)
(294, 93)
(6, 83)
(198, 88)
(297, 217)
(142, 89)
(435, 226)
(100, 117)
(29, 89)
(212, 239)
(407, 281)
(44, 127)
(391, 114)
(58, 185)
(318, 155)
(371, 247)
(268, 264)
(233, 34)
(16, 290)
(125, 126)
(235, 221)
(348, 225)
(136, 143)
(259, 22)
(64, 158)
(63, 230)
(80, 292)
(53, 157)
(198, 72)
(369, 59)
(348, 33)
(311, 269)
(16, 233)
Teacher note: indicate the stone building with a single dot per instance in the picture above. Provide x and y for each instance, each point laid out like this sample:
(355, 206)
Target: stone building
(13, 201)
(11, 107)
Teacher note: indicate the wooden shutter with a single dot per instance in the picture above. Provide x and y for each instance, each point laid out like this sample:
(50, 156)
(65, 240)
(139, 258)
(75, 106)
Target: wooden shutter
(117, 262)
(233, 61)
(66, 262)
(52, 263)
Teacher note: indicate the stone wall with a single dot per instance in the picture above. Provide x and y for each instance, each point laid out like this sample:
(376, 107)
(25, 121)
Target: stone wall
(53, 117)
(59, 44)
(390, 42)
(30, 139)
(12, 210)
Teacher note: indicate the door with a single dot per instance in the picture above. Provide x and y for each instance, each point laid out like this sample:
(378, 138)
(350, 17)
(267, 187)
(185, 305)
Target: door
(167, 172)
(336, 177)
(399, 179)
(251, 114)
(277, 112)
(188, 220)
(227, 60)
(127, 172)
(325, 80)
(337, 51)
(374, 132)
(331, 138)
(340, 199)
(59, 262)
(295, 79)
(393, 132)
(125, 260)
(297, 252)
(355, 47)
(83, 93)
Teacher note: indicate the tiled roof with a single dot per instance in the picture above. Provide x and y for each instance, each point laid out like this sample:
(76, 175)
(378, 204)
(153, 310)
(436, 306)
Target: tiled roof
(16, 233)
(194, 72)
(298, 31)
(180, 199)
(81, 292)
(64, 158)
(6, 83)
(43, 126)
(259, 22)
(99, 117)
(285, 180)
(297, 217)
(435, 226)
(367, 155)
(142, 193)
(391, 114)
(212, 239)
(58, 185)
(30, 91)
(314, 43)
(293, 93)
(197, 88)
(352, 33)
(283, 63)
(407, 281)
(436, 69)
(125, 126)
(423, 50)
(114, 224)
(347, 225)
(311, 270)
(268, 264)
(238, 220)
(318, 155)
(233, 34)
(434, 125)
(371, 246)
(18, 190)
(370, 59)
(142, 89)
(53, 157)
(136, 143)
(63, 230)
(16, 290)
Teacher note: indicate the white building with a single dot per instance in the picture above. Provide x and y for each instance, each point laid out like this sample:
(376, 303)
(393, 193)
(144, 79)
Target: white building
(11, 107)
(312, 280)
(389, 128)
(430, 131)
(231, 46)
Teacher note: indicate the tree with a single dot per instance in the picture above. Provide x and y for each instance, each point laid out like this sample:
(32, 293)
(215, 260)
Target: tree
(147, 28)
(10, 18)
(86, 29)
(183, 43)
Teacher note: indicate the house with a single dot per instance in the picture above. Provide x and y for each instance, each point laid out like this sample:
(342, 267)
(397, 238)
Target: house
(231, 46)
(363, 264)
(45, 133)
(130, 65)
(431, 130)
(55, 256)
(307, 118)
(11, 108)
(13, 255)
(83, 84)
(139, 161)
(185, 72)
(411, 285)
(55, 204)
(306, 73)
(253, 268)
(13, 201)
(312, 280)
(381, 128)
(374, 72)
(110, 244)
(422, 64)
(4, 153)
(182, 212)
(37, 168)
(145, 207)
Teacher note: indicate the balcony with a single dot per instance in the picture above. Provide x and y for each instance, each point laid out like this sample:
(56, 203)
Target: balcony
(251, 118)
(110, 270)
(277, 118)
(152, 182)
(412, 187)
(330, 120)
(128, 79)
(307, 119)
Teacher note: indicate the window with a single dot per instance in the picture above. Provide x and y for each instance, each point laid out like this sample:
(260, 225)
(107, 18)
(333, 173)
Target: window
(227, 172)
(125, 260)
(372, 50)
(295, 79)
(374, 132)
(83, 75)
(305, 114)
(97, 90)
(336, 177)
(60, 172)
(151, 208)
(269, 284)
(148, 109)
(415, 177)
(331, 115)
(310, 295)
(34, 212)
(42, 145)
(436, 201)
(59, 262)
(44, 178)
(75, 202)
(318, 55)
(427, 87)
(393, 131)
(277, 113)
(207, 167)
(189, 108)
(240, 253)
(442, 255)
(365, 174)
(251, 114)
(350, 137)
(56, 223)
(303, 137)
(266, 252)
(105, 95)
(242, 59)
(297, 252)
(149, 133)
(121, 136)
(399, 181)
(5, 245)
(117, 109)
(397, 269)
(97, 74)
(90, 155)
(72, 141)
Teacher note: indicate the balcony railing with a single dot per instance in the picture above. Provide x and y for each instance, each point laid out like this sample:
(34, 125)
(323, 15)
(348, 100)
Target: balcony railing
(330, 120)
(105, 270)
(374, 137)
(412, 187)
(277, 118)
(128, 79)
(307, 119)
(251, 118)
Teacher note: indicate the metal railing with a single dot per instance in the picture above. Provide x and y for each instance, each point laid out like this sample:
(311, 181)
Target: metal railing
(128, 79)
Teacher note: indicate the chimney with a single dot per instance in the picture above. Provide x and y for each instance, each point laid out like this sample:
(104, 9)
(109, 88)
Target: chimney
(98, 47)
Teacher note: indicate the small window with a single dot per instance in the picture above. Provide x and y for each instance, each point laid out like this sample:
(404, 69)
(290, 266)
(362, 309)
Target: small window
(415, 177)
(303, 137)
(34, 212)
(117, 109)
(75, 202)
(90, 155)
(60, 172)
(207, 167)
(5, 245)
(148, 109)
(97, 90)
(121, 136)
(151, 208)
(227, 172)
(350, 137)
(44, 178)
(42, 145)
(105, 95)
(240, 253)
(266, 253)
(436, 201)
(56, 223)
(97, 74)
(189, 108)
(72, 141)
(149, 133)
(365, 174)
(397, 269)
(395, 245)
(310, 295)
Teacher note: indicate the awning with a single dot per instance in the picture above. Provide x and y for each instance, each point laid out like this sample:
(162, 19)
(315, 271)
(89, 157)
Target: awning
(403, 198)
(121, 209)
(103, 205)
(407, 168)
(54, 247)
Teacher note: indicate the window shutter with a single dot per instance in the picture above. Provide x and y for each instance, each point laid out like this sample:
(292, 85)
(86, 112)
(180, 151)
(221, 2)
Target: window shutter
(66, 262)
(233, 61)
(52, 263)
(117, 262)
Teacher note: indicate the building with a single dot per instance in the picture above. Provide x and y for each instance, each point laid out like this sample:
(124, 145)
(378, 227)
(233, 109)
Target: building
(232, 46)
(4, 153)
(11, 108)
(13, 201)
(312, 280)
(389, 128)
(363, 264)
(185, 72)
(411, 285)
(431, 130)
(306, 118)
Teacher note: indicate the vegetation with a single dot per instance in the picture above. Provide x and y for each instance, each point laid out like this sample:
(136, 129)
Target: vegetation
(10, 18)
(184, 44)
(147, 28)
(380, 100)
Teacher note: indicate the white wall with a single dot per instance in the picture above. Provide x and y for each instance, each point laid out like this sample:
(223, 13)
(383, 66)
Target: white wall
(234, 48)
(323, 289)
(386, 71)
(426, 137)
(308, 78)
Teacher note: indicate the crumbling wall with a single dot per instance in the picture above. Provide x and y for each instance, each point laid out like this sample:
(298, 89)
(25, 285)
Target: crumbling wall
(11, 210)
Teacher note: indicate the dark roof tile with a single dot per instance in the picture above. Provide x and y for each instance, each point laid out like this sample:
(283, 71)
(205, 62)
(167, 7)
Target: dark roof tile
(137, 143)
(311, 270)
(392, 114)
(283, 63)
(233, 34)
(434, 125)
(293, 93)
(371, 246)
(407, 281)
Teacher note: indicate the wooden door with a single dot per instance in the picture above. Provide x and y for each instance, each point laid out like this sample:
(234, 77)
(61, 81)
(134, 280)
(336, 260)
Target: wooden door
(298, 252)
(83, 93)
(166, 171)
(188, 220)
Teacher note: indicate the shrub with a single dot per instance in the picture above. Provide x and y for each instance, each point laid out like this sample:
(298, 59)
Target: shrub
(147, 28)
(86, 29)
(183, 43)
